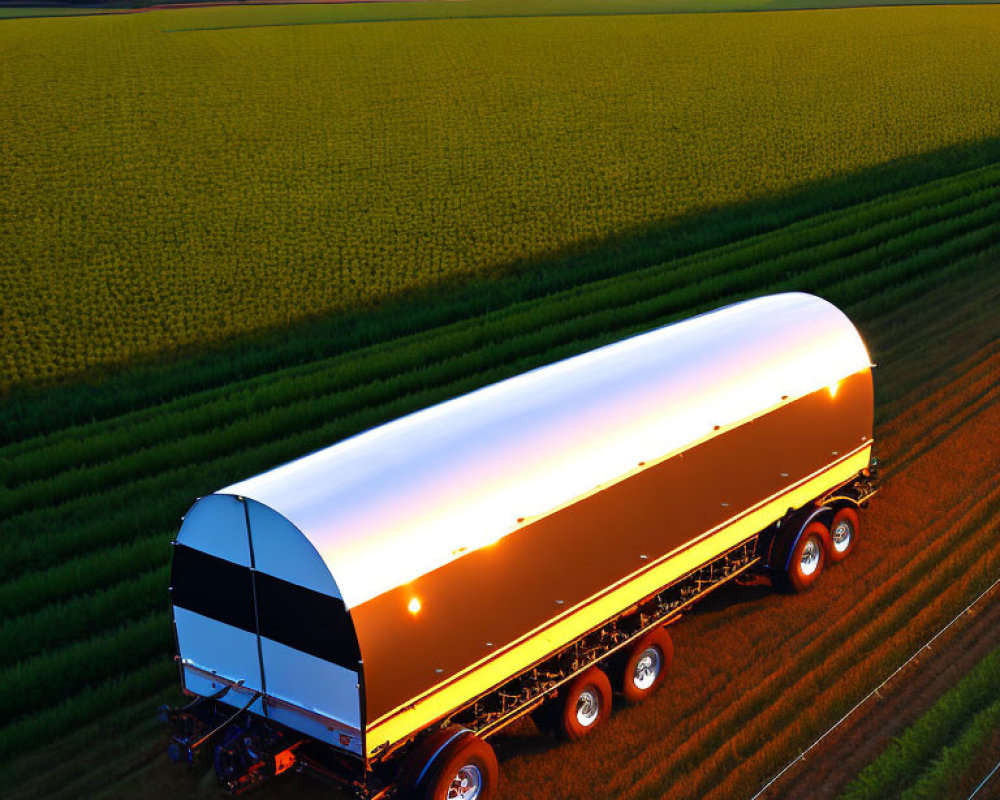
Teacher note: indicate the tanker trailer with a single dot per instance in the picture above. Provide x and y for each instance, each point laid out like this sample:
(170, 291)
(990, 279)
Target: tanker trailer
(373, 612)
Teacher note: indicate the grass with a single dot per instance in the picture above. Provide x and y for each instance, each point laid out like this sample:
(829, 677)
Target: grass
(154, 212)
(924, 760)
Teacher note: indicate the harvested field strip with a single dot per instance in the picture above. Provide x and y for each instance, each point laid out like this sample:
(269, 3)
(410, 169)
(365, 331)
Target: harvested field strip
(980, 371)
(977, 403)
(922, 762)
(953, 344)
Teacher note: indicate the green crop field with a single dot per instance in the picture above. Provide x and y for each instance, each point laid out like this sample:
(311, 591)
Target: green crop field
(216, 172)
(88, 507)
(258, 230)
(922, 764)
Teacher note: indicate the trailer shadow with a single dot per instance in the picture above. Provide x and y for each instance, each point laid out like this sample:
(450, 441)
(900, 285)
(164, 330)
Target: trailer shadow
(523, 738)
(751, 590)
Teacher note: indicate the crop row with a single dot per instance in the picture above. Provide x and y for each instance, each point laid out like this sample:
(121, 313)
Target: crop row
(130, 516)
(928, 755)
(36, 589)
(69, 712)
(46, 679)
(481, 345)
(834, 661)
(844, 230)
(83, 615)
(343, 200)
(60, 409)
(978, 739)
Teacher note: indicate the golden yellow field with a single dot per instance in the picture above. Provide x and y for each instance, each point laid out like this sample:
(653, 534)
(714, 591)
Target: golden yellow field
(164, 188)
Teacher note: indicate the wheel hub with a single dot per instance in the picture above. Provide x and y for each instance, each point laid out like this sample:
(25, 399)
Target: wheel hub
(809, 561)
(467, 784)
(647, 668)
(588, 707)
(841, 536)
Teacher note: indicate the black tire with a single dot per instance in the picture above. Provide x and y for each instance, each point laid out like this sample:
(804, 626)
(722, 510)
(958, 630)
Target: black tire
(846, 523)
(585, 704)
(806, 561)
(647, 665)
(462, 765)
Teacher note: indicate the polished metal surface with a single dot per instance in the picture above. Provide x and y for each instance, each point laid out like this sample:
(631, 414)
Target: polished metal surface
(588, 707)
(842, 535)
(403, 499)
(809, 561)
(647, 668)
(467, 784)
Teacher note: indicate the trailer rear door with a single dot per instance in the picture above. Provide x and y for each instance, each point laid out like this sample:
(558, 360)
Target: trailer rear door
(211, 589)
(254, 604)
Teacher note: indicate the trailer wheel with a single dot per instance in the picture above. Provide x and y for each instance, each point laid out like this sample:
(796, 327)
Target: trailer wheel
(465, 769)
(586, 704)
(808, 556)
(844, 531)
(647, 665)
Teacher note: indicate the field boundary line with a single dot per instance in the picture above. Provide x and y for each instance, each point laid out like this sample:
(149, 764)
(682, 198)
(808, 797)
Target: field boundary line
(876, 690)
(984, 782)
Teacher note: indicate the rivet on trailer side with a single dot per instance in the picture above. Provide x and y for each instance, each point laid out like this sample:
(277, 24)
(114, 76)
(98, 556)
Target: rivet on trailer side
(373, 612)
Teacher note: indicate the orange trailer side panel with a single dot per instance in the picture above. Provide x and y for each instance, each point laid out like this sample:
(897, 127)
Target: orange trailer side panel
(476, 607)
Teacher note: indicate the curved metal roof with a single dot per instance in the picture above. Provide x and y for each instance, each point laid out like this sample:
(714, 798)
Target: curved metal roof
(397, 501)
